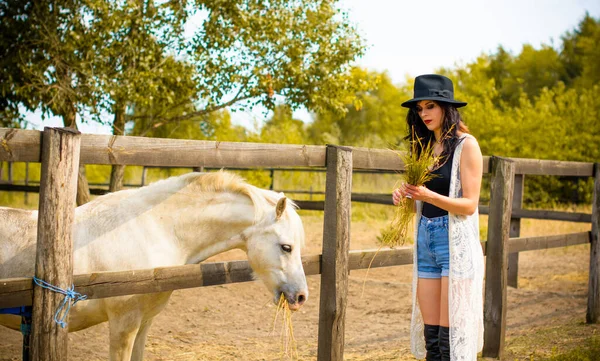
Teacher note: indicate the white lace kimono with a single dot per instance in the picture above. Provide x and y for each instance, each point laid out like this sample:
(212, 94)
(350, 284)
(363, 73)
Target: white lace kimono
(465, 281)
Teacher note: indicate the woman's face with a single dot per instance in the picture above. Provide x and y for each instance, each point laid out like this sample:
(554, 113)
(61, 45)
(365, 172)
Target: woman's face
(431, 114)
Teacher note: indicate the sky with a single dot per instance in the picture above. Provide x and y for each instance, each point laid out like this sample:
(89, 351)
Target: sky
(408, 37)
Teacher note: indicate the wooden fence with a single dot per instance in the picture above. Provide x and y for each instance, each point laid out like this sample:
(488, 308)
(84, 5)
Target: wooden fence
(335, 260)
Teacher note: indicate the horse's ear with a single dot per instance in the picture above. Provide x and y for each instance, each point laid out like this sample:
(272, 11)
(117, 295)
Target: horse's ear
(280, 207)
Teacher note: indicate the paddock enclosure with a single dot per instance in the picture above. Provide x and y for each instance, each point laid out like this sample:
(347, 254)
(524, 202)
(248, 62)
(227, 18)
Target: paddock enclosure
(334, 264)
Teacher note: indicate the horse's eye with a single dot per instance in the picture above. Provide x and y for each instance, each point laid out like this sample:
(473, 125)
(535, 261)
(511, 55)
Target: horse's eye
(286, 248)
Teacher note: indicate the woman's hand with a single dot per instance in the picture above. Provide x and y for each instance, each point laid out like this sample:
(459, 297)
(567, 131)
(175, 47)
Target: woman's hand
(398, 194)
(420, 193)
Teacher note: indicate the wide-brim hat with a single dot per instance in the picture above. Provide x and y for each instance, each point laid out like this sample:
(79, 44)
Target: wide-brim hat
(433, 87)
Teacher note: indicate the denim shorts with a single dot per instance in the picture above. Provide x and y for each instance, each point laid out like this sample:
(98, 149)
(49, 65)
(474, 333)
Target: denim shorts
(433, 247)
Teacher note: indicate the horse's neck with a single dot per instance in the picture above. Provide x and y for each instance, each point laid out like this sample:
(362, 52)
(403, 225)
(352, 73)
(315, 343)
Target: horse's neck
(212, 224)
(135, 230)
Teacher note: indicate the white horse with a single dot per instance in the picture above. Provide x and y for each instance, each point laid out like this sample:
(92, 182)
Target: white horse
(181, 220)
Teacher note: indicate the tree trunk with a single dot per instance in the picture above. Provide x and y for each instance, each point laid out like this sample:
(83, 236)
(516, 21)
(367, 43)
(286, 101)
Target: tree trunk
(118, 171)
(83, 189)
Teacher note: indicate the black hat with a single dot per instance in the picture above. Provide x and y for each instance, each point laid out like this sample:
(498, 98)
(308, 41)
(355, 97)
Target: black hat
(433, 87)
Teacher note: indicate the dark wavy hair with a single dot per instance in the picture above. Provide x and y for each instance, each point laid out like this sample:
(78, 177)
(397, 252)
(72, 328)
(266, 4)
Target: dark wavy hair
(451, 124)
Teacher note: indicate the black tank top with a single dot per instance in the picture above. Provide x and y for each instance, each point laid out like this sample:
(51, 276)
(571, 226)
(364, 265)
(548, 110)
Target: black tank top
(439, 184)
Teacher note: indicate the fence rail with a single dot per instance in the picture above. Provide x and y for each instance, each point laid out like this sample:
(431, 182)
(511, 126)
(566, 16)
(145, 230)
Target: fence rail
(18, 291)
(19, 145)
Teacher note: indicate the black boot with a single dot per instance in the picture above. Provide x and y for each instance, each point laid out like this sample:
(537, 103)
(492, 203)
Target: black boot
(432, 334)
(445, 343)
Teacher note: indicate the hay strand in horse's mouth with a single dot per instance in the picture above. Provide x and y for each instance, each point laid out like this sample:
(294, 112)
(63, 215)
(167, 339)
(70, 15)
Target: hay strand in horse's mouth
(289, 349)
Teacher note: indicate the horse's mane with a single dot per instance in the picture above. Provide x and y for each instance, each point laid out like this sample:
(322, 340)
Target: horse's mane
(196, 183)
(223, 181)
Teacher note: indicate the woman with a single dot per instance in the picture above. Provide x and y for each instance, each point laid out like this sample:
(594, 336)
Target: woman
(447, 319)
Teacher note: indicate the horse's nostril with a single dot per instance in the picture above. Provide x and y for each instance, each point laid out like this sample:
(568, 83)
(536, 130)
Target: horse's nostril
(301, 299)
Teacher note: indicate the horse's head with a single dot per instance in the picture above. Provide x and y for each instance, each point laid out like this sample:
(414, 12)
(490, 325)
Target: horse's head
(273, 247)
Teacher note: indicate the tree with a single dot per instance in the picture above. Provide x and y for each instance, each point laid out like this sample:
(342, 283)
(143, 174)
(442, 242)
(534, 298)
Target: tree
(216, 125)
(376, 119)
(282, 128)
(132, 62)
(579, 53)
(44, 54)
(249, 52)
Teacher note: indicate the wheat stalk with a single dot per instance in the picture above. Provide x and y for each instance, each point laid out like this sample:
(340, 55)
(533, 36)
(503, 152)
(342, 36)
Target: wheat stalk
(417, 172)
(289, 347)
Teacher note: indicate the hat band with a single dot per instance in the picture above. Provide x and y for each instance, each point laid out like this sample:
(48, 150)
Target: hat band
(441, 93)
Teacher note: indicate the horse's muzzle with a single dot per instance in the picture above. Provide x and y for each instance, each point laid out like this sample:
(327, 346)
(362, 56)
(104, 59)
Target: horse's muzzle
(295, 300)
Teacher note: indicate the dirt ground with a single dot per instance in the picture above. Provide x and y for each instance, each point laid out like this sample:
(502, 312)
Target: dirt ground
(546, 314)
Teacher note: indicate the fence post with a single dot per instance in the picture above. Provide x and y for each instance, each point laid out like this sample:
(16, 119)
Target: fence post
(10, 172)
(144, 174)
(593, 307)
(494, 310)
(26, 195)
(334, 261)
(54, 257)
(515, 231)
(83, 188)
(117, 173)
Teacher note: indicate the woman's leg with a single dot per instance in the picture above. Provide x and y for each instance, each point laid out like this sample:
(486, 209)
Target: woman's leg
(444, 336)
(444, 320)
(428, 294)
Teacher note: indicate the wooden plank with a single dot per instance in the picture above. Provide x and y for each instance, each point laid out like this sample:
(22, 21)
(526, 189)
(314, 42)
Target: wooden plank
(515, 231)
(552, 167)
(54, 257)
(125, 150)
(501, 199)
(545, 242)
(336, 244)
(18, 291)
(371, 158)
(36, 189)
(593, 306)
(310, 205)
(380, 258)
(24, 146)
(20, 145)
(553, 215)
(545, 214)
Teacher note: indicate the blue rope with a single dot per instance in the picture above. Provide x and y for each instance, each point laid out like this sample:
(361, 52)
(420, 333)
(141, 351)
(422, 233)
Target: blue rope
(69, 294)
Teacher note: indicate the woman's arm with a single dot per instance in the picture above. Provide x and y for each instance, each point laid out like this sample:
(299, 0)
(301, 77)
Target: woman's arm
(471, 167)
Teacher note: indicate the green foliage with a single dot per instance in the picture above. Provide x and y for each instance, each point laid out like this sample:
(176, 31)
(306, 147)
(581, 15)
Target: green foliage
(213, 126)
(375, 120)
(131, 58)
(282, 128)
(579, 53)
(44, 57)
(257, 49)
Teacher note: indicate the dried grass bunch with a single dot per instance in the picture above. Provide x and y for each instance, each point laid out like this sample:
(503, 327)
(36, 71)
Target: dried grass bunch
(418, 168)
(289, 347)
